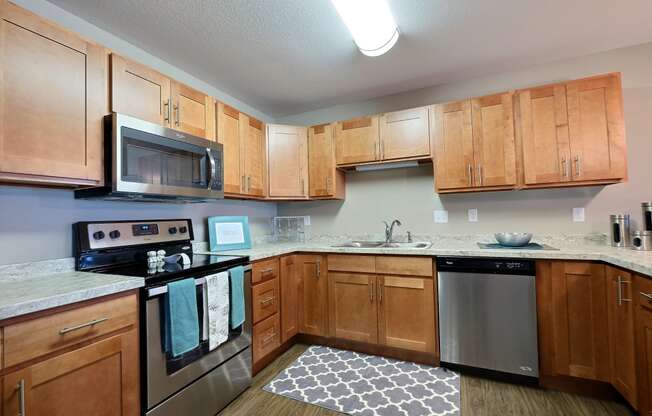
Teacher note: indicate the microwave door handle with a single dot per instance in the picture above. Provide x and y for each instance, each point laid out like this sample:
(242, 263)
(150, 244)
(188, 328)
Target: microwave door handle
(213, 168)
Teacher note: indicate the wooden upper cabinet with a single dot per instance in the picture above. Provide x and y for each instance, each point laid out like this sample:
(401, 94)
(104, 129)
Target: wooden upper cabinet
(597, 131)
(406, 313)
(352, 307)
(53, 93)
(228, 134)
(325, 181)
(453, 145)
(140, 92)
(544, 135)
(193, 112)
(405, 134)
(313, 294)
(493, 140)
(621, 333)
(579, 320)
(252, 158)
(358, 140)
(287, 155)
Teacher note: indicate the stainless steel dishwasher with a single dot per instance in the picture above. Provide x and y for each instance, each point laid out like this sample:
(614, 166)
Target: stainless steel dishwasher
(487, 314)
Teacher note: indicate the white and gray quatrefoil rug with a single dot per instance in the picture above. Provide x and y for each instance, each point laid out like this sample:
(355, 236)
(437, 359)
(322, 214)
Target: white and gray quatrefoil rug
(360, 384)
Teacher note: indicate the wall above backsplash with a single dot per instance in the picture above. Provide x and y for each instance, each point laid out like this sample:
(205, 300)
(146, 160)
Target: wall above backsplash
(36, 223)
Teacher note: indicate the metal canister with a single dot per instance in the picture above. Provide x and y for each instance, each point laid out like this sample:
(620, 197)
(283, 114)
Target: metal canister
(642, 240)
(620, 230)
(647, 215)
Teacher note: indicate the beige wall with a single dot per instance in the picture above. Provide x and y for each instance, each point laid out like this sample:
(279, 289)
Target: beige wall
(408, 194)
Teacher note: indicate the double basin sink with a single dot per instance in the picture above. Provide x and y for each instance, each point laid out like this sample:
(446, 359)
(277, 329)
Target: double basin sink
(382, 244)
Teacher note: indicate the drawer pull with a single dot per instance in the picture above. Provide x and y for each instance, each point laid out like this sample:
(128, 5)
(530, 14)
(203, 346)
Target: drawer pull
(268, 339)
(21, 397)
(64, 331)
(647, 295)
(268, 301)
(266, 271)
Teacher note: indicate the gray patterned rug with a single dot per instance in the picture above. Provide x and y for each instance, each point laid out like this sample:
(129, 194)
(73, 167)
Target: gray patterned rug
(360, 384)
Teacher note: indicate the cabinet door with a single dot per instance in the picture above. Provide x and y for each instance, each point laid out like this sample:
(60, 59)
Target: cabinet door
(228, 127)
(580, 329)
(493, 140)
(252, 159)
(99, 379)
(597, 132)
(313, 295)
(287, 153)
(323, 175)
(140, 92)
(289, 297)
(643, 336)
(405, 134)
(621, 333)
(544, 130)
(357, 140)
(352, 307)
(193, 112)
(406, 313)
(453, 140)
(53, 93)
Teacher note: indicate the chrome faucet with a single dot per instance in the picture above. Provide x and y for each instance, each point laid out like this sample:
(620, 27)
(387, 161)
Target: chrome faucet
(389, 230)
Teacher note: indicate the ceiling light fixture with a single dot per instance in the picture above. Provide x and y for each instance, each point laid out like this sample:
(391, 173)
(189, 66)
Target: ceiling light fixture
(371, 24)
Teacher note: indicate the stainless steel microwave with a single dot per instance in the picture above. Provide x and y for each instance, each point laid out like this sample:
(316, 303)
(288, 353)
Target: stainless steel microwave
(147, 162)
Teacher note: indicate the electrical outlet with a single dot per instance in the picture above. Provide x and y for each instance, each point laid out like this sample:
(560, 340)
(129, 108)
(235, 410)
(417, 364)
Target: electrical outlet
(306, 220)
(473, 215)
(441, 216)
(579, 215)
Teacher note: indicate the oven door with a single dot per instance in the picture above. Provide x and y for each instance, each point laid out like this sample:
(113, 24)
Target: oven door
(148, 159)
(160, 382)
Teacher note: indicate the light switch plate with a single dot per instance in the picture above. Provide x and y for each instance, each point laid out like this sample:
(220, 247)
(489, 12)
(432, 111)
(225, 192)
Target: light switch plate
(441, 216)
(306, 220)
(579, 215)
(473, 215)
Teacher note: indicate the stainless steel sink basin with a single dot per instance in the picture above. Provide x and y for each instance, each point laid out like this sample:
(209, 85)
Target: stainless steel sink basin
(382, 244)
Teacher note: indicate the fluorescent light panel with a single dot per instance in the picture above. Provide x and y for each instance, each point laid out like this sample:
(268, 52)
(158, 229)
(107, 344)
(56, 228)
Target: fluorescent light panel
(371, 24)
(385, 166)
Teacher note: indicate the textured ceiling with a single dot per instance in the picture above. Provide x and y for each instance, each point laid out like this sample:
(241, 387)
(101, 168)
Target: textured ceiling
(289, 56)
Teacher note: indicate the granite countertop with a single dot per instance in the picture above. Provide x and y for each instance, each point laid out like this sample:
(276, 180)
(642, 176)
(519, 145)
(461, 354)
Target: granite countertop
(26, 293)
(568, 249)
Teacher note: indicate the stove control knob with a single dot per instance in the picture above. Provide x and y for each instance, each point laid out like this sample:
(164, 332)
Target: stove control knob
(172, 230)
(114, 234)
(98, 235)
(183, 230)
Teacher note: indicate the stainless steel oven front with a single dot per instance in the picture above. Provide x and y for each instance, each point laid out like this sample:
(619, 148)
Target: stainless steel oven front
(206, 383)
(148, 159)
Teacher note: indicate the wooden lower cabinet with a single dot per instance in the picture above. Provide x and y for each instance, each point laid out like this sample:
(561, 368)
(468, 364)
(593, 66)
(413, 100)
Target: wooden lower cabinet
(289, 275)
(580, 320)
(353, 307)
(266, 337)
(313, 295)
(621, 333)
(406, 313)
(643, 337)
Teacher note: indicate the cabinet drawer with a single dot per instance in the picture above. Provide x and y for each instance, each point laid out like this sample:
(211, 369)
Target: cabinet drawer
(265, 299)
(264, 270)
(408, 266)
(352, 263)
(26, 340)
(266, 337)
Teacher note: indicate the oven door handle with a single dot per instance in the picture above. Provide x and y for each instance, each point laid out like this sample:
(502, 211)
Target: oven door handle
(159, 290)
(213, 168)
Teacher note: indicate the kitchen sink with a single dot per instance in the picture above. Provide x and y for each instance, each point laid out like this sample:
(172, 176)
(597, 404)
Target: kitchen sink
(382, 244)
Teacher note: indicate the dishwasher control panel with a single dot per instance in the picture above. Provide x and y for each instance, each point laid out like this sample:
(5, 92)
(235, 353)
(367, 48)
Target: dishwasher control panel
(486, 265)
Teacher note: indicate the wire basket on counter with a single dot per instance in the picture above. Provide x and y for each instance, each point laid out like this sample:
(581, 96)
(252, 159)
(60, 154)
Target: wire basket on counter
(290, 229)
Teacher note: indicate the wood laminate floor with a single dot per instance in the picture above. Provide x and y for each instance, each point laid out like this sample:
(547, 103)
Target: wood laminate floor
(480, 397)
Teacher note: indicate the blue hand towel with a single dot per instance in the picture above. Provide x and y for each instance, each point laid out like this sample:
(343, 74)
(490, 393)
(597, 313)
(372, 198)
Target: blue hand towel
(181, 317)
(237, 296)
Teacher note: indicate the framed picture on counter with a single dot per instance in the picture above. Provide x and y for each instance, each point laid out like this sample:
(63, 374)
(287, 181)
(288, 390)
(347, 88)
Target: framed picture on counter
(228, 233)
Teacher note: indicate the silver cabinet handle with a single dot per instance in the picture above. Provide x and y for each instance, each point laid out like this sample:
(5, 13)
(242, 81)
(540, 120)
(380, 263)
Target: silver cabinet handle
(248, 183)
(177, 108)
(382, 150)
(480, 174)
(564, 167)
(64, 331)
(318, 268)
(268, 301)
(371, 291)
(578, 166)
(269, 338)
(21, 397)
(244, 184)
(647, 295)
(470, 175)
(213, 169)
(166, 111)
(381, 288)
(329, 184)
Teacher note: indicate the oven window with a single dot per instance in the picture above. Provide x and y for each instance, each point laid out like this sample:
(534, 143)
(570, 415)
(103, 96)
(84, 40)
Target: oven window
(151, 159)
